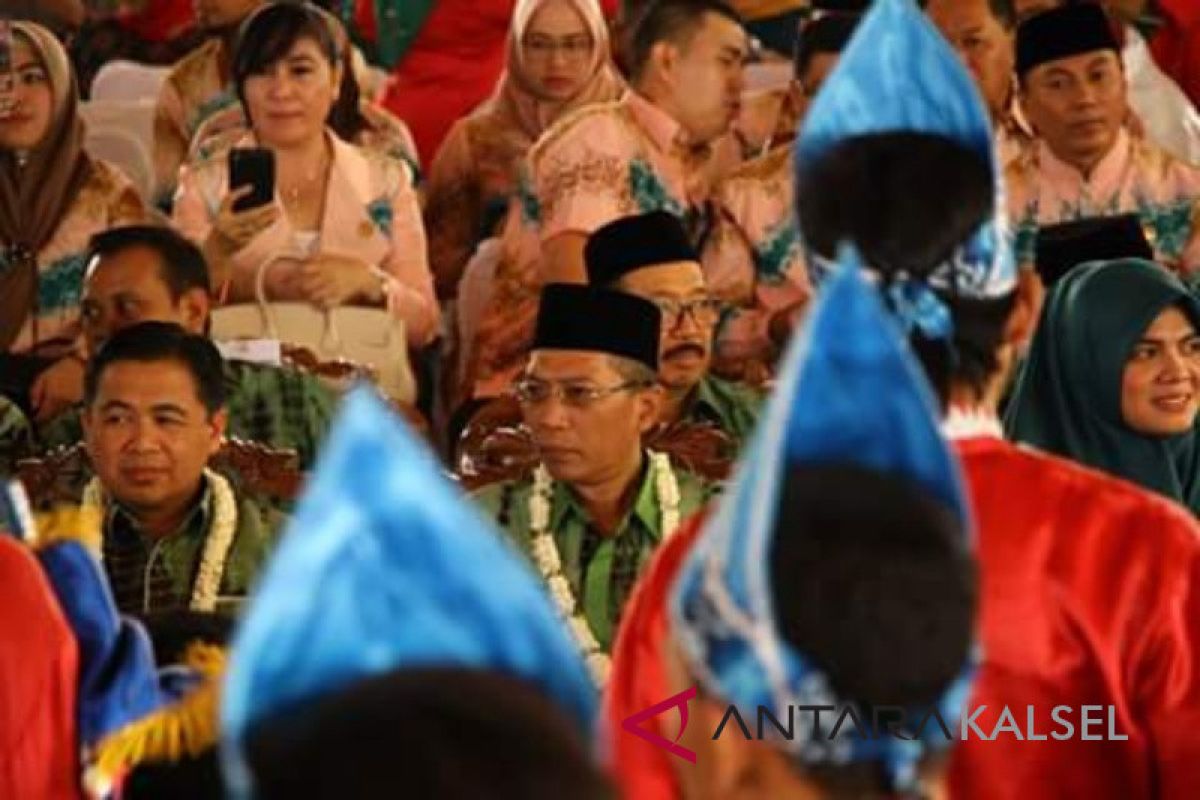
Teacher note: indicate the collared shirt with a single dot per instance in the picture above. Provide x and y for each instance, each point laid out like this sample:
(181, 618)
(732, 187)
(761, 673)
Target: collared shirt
(149, 576)
(601, 570)
(732, 407)
(276, 406)
(142, 570)
(613, 160)
(753, 261)
(1135, 176)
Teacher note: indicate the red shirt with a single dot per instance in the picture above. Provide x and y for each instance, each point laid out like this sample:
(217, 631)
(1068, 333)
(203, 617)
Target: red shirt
(38, 673)
(1090, 594)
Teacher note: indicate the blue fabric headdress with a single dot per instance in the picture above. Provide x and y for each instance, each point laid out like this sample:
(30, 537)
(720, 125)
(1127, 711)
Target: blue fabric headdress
(385, 565)
(118, 680)
(899, 74)
(850, 393)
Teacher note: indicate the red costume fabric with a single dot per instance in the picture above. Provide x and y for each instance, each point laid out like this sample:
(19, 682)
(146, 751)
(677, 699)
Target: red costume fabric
(637, 681)
(1090, 595)
(38, 673)
(1176, 45)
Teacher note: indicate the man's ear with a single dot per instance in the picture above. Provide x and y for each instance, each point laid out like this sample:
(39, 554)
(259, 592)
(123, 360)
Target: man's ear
(1023, 319)
(664, 57)
(218, 423)
(195, 305)
(649, 407)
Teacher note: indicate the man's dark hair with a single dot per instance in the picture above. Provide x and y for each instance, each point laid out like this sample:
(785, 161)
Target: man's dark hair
(181, 263)
(862, 192)
(1005, 12)
(450, 733)
(162, 341)
(674, 21)
(880, 595)
(826, 33)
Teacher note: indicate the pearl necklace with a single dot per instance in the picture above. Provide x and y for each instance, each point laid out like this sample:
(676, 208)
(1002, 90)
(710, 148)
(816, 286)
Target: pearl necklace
(549, 561)
(217, 544)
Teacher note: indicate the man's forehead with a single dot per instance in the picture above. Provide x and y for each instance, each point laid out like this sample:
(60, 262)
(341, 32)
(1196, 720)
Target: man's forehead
(145, 384)
(723, 32)
(960, 13)
(135, 266)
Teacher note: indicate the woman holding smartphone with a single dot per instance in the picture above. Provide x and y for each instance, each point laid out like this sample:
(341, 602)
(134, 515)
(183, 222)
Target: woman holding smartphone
(343, 225)
(53, 197)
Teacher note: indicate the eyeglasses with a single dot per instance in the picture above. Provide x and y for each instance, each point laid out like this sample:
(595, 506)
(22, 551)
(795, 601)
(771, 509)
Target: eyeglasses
(533, 392)
(702, 310)
(573, 48)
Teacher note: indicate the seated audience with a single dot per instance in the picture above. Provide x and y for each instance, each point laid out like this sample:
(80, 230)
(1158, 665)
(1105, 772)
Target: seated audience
(1113, 377)
(354, 116)
(652, 150)
(753, 260)
(53, 197)
(598, 503)
(140, 274)
(173, 534)
(424, 654)
(557, 61)
(1087, 162)
(344, 226)
(650, 256)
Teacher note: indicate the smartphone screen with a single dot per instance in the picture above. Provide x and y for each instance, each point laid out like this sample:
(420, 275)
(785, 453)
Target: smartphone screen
(8, 78)
(253, 167)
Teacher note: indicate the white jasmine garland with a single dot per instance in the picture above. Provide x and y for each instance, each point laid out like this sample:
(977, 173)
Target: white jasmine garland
(217, 544)
(549, 562)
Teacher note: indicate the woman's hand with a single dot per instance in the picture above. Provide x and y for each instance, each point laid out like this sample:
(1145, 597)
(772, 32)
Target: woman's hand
(327, 281)
(233, 230)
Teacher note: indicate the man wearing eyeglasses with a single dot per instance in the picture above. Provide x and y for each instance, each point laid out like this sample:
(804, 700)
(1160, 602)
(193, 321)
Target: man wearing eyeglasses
(649, 256)
(598, 503)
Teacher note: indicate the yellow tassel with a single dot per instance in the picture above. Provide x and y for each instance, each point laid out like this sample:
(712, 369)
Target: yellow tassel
(68, 523)
(184, 729)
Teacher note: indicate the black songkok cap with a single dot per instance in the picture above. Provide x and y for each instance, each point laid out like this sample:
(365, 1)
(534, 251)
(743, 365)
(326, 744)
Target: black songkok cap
(630, 243)
(577, 317)
(1061, 248)
(1061, 33)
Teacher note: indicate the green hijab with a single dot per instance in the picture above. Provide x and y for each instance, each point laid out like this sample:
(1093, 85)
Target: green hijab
(1068, 396)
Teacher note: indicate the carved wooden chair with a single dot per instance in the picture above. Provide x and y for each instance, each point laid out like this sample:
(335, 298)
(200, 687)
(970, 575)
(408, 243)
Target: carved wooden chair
(61, 475)
(341, 374)
(496, 446)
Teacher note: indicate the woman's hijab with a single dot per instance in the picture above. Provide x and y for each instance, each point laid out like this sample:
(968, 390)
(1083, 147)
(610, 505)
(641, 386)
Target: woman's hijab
(1068, 396)
(35, 196)
(514, 117)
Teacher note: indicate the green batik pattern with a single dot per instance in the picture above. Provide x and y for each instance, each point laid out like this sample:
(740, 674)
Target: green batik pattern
(280, 407)
(16, 436)
(648, 191)
(61, 286)
(210, 107)
(380, 212)
(531, 207)
(1171, 224)
(779, 248)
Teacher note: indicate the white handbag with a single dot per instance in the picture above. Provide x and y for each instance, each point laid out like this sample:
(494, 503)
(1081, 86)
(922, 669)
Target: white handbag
(370, 337)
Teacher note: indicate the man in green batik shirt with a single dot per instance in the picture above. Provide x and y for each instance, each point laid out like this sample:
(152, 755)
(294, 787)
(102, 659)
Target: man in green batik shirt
(649, 255)
(172, 534)
(587, 395)
(141, 273)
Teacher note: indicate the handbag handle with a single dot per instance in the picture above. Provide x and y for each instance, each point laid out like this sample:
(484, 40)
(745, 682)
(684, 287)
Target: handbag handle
(330, 337)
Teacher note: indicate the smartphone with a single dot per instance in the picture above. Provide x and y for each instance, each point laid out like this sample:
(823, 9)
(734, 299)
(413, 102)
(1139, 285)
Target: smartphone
(15, 516)
(8, 76)
(254, 167)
